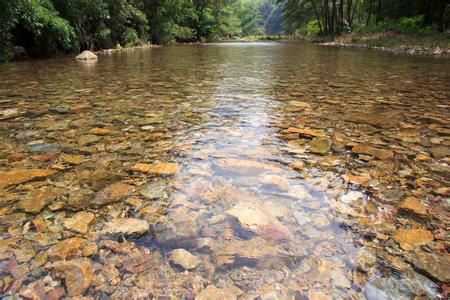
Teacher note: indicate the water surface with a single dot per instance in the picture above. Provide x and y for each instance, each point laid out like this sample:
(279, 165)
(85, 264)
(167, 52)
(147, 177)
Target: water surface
(284, 171)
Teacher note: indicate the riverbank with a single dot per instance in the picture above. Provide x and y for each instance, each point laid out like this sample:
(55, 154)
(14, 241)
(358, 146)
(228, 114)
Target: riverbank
(435, 44)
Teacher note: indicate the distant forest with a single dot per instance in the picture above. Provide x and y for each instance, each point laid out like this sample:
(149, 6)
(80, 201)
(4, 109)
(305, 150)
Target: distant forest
(45, 27)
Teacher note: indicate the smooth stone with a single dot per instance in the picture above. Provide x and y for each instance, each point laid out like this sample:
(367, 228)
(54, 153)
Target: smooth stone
(80, 222)
(302, 218)
(351, 197)
(72, 159)
(155, 190)
(89, 139)
(214, 293)
(112, 193)
(184, 258)
(276, 182)
(164, 169)
(126, 226)
(42, 148)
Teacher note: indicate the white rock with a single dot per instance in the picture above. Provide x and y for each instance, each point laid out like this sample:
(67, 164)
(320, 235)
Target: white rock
(86, 55)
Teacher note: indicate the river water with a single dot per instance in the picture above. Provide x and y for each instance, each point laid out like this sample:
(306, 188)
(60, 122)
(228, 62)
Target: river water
(223, 171)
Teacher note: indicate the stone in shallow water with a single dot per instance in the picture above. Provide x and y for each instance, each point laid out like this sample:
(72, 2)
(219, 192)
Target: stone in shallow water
(155, 190)
(409, 239)
(320, 145)
(126, 226)
(440, 151)
(113, 193)
(72, 159)
(80, 222)
(78, 274)
(276, 182)
(42, 148)
(413, 206)
(434, 265)
(36, 200)
(164, 169)
(184, 258)
(382, 154)
(141, 168)
(17, 176)
(240, 167)
(213, 293)
(253, 219)
(302, 218)
(89, 139)
(67, 249)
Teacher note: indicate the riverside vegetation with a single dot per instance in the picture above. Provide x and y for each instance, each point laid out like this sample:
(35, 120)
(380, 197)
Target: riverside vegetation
(37, 28)
(224, 171)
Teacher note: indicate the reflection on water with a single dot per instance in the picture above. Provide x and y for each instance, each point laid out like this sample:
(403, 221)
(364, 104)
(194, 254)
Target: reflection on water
(226, 170)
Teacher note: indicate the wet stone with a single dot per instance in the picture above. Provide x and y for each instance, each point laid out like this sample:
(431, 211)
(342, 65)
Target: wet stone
(78, 274)
(112, 193)
(409, 239)
(320, 145)
(183, 258)
(131, 226)
(17, 176)
(80, 222)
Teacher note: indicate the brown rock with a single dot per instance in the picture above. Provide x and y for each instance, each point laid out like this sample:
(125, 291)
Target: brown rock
(435, 265)
(36, 200)
(440, 152)
(78, 274)
(100, 131)
(67, 249)
(141, 168)
(304, 132)
(164, 169)
(80, 222)
(409, 239)
(72, 159)
(240, 167)
(381, 154)
(18, 176)
(320, 145)
(277, 182)
(413, 206)
(355, 179)
(113, 193)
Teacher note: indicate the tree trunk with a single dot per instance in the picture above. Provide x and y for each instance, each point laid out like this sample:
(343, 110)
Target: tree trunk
(317, 15)
(369, 13)
(333, 17)
(441, 16)
(378, 18)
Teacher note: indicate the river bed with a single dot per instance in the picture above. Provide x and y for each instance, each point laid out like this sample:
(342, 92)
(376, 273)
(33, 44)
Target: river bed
(224, 171)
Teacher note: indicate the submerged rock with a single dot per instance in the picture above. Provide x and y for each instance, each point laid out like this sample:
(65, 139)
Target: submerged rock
(42, 148)
(86, 55)
(126, 226)
(435, 265)
(184, 258)
(409, 239)
(413, 206)
(80, 222)
(17, 176)
(253, 219)
(36, 200)
(381, 154)
(113, 193)
(320, 145)
(213, 293)
(67, 249)
(164, 169)
(78, 274)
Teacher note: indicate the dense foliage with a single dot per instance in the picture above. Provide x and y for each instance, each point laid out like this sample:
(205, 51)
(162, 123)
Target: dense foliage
(312, 17)
(45, 27)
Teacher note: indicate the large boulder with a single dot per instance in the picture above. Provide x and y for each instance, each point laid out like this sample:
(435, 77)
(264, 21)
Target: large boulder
(86, 55)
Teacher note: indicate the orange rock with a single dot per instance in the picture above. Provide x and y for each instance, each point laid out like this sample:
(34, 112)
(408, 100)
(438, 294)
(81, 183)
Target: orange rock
(141, 168)
(409, 239)
(67, 249)
(100, 131)
(355, 179)
(18, 176)
(382, 154)
(164, 169)
(414, 206)
(72, 159)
